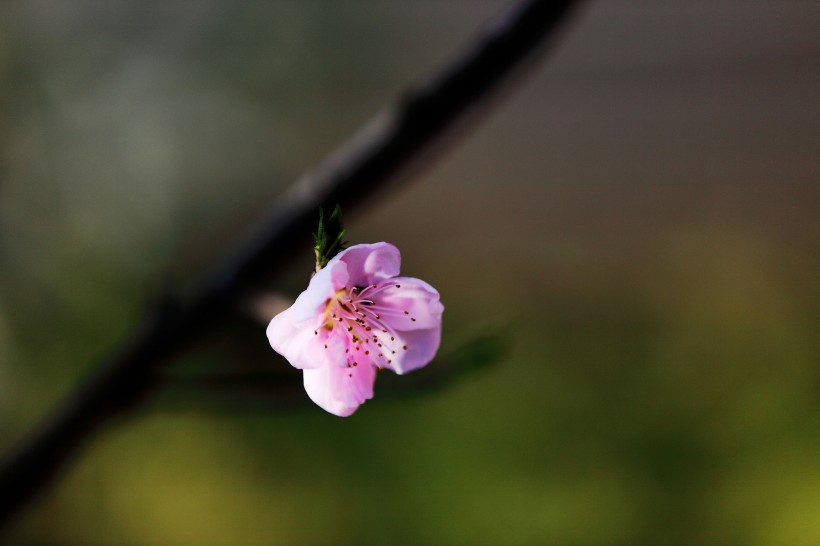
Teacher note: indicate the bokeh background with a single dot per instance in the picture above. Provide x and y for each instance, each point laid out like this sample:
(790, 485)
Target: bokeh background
(640, 219)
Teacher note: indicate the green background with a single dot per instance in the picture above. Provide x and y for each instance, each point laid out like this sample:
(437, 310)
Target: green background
(639, 219)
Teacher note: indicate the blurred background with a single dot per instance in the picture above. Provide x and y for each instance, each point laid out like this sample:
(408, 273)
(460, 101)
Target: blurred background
(642, 215)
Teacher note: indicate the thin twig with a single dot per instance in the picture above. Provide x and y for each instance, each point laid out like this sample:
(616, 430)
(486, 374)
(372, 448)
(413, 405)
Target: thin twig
(396, 138)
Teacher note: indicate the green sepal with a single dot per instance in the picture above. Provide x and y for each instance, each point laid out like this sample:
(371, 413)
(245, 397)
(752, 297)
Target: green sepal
(329, 237)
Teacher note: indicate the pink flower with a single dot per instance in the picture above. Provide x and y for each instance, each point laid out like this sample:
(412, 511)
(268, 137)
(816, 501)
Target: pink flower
(356, 317)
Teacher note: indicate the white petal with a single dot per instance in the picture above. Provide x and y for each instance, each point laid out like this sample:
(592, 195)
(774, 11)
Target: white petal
(297, 343)
(323, 285)
(340, 390)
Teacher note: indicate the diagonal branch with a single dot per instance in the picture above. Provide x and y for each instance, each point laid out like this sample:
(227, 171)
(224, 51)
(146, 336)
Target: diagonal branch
(383, 150)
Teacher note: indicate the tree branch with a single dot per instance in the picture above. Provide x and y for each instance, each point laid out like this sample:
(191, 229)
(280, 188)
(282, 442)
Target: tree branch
(387, 146)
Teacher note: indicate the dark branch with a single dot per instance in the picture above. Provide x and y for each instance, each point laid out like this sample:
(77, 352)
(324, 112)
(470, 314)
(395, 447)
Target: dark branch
(395, 139)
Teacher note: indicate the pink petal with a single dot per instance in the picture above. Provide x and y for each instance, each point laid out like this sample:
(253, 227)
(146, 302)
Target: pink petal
(422, 346)
(369, 264)
(322, 286)
(304, 346)
(338, 389)
(296, 332)
(421, 336)
(410, 299)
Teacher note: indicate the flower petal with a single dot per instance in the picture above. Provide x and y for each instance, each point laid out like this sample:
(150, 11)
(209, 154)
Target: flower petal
(290, 341)
(412, 303)
(340, 390)
(304, 345)
(311, 303)
(369, 264)
(422, 346)
(296, 332)
(421, 336)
